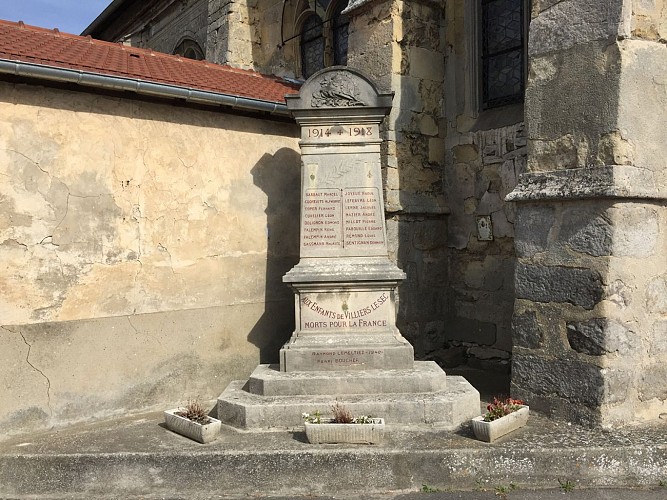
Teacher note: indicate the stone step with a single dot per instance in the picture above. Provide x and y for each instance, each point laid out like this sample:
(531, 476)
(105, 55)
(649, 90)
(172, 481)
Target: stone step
(346, 352)
(268, 380)
(443, 409)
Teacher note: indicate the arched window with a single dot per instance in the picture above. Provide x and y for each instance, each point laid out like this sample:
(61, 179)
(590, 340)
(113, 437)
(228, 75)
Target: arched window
(312, 46)
(189, 49)
(321, 30)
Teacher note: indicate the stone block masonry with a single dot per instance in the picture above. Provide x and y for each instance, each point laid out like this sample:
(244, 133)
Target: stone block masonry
(591, 222)
(588, 308)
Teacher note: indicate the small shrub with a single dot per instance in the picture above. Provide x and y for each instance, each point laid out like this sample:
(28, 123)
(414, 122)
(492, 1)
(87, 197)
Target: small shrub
(501, 407)
(566, 485)
(502, 490)
(341, 415)
(195, 411)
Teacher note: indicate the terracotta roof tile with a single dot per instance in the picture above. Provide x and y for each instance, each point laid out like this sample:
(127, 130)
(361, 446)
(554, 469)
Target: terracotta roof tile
(23, 43)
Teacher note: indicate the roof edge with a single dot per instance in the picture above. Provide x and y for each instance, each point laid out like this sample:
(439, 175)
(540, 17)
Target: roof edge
(106, 13)
(139, 86)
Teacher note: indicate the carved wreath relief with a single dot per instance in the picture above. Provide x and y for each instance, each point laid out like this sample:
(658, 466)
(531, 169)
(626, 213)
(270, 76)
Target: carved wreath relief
(337, 90)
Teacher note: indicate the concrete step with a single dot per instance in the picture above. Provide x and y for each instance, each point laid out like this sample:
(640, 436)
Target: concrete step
(445, 409)
(136, 457)
(268, 380)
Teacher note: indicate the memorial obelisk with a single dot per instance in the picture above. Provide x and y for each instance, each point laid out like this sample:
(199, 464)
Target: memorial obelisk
(345, 284)
(345, 346)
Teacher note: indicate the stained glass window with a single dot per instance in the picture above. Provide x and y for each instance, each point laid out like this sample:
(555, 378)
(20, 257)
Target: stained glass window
(503, 43)
(312, 46)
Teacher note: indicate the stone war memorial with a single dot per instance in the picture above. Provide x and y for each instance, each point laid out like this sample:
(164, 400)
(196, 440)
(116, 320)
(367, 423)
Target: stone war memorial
(345, 346)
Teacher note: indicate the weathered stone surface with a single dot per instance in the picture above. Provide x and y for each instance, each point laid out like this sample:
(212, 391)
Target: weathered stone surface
(609, 181)
(449, 357)
(444, 409)
(430, 235)
(580, 287)
(652, 383)
(636, 231)
(587, 230)
(618, 384)
(136, 218)
(268, 380)
(599, 336)
(471, 330)
(569, 22)
(531, 228)
(488, 353)
(656, 295)
(659, 339)
(526, 331)
(580, 383)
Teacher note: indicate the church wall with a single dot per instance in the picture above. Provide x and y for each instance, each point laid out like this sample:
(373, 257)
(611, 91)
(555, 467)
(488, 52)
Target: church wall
(233, 34)
(401, 46)
(591, 278)
(485, 151)
(142, 249)
(183, 19)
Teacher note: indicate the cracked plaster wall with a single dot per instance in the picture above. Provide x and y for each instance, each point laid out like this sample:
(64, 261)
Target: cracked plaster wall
(142, 248)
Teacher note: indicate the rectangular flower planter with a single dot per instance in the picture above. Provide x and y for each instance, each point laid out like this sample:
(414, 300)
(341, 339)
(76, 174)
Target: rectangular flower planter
(203, 433)
(490, 431)
(330, 433)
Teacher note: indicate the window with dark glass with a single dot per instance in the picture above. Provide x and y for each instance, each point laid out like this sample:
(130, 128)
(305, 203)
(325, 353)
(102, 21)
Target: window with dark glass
(324, 35)
(503, 40)
(190, 50)
(312, 46)
(340, 35)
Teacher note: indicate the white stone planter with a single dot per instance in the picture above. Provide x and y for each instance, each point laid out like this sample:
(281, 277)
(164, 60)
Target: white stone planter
(490, 431)
(328, 432)
(204, 433)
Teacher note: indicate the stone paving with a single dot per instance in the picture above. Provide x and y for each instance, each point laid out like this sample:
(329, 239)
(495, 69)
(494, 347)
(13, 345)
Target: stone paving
(138, 457)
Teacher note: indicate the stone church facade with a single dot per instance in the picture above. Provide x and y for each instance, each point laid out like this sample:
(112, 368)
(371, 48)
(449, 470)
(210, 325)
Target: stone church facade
(562, 274)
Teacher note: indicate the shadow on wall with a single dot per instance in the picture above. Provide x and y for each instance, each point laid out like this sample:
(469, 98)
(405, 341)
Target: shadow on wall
(278, 176)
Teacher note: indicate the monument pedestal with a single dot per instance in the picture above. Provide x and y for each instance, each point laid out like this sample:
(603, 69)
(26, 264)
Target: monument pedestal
(345, 346)
(423, 395)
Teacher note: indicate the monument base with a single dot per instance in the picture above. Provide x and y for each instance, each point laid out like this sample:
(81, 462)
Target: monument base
(423, 395)
(362, 352)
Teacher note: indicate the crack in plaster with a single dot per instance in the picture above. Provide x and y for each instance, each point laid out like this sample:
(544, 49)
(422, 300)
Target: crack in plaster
(163, 248)
(27, 359)
(29, 159)
(132, 325)
(66, 210)
(14, 240)
(48, 240)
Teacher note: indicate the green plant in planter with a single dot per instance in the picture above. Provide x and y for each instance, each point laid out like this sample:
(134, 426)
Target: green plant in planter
(341, 415)
(501, 407)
